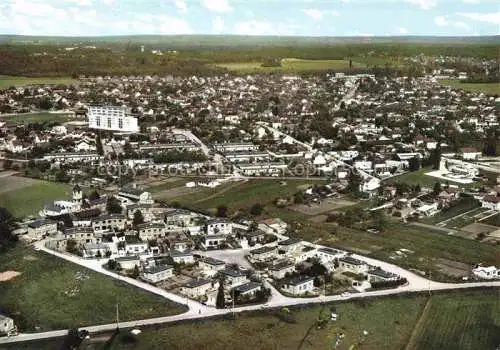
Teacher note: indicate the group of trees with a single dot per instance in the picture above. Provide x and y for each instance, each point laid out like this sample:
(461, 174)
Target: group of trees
(7, 224)
(179, 156)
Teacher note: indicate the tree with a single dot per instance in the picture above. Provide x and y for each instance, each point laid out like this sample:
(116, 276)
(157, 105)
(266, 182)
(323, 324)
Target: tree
(354, 182)
(138, 218)
(7, 164)
(94, 195)
(222, 211)
(437, 188)
(7, 222)
(98, 142)
(490, 144)
(256, 209)
(71, 246)
(414, 164)
(436, 157)
(113, 205)
(220, 302)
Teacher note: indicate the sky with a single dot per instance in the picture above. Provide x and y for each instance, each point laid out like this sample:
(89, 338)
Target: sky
(251, 17)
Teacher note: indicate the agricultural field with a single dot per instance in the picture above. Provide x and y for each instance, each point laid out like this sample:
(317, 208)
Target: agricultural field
(23, 197)
(384, 323)
(7, 81)
(290, 65)
(468, 320)
(37, 117)
(487, 88)
(51, 293)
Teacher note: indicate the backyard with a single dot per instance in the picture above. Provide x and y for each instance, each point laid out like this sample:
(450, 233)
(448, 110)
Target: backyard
(51, 293)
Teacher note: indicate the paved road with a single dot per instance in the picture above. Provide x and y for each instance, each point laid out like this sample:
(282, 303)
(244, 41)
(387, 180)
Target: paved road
(197, 310)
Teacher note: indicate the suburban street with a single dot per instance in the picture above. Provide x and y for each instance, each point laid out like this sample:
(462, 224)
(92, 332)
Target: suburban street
(197, 310)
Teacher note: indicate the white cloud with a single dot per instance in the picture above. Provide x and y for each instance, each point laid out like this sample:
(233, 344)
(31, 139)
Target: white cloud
(172, 26)
(471, 1)
(108, 2)
(335, 13)
(217, 5)
(264, 28)
(82, 2)
(217, 25)
(402, 30)
(181, 5)
(423, 4)
(462, 25)
(492, 18)
(313, 13)
(441, 21)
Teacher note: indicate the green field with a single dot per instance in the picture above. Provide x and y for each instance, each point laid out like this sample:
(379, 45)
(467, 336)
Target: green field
(38, 117)
(7, 81)
(28, 200)
(465, 321)
(391, 324)
(290, 65)
(37, 297)
(487, 88)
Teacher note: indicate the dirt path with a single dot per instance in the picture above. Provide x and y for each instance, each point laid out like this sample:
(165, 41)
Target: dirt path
(413, 337)
(8, 275)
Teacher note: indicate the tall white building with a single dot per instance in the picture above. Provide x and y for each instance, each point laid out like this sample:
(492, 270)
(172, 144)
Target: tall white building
(112, 118)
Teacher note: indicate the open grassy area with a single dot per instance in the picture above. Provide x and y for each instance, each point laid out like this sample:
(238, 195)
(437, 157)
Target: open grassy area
(468, 320)
(290, 65)
(391, 324)
(30, 199)
(420, 178)
(487, 88)
(462, 206)
(38, 117)
(37, 298)
(7, 81)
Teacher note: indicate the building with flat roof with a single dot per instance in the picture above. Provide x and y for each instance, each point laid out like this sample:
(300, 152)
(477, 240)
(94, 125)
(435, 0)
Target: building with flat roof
(114, 118)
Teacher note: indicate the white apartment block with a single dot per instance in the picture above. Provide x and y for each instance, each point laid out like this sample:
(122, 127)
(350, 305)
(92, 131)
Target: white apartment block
(113, 118)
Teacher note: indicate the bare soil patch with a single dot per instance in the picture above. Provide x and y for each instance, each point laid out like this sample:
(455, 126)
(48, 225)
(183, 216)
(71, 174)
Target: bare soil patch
(324, 206)
(8, 275)
(478, 228)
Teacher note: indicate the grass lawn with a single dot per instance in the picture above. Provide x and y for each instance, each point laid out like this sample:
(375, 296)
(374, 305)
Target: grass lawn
(468, 320)
(7, 81)
(391, 324)
(462, 206)
(487, 88)
(30, 199)
(290, 65)
(39, 117)
(37, 297)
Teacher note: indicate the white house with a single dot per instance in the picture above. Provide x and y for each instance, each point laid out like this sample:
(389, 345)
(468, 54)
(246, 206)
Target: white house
(247, 289)
(136, 195)
(290, 245)
(106, 223)
(353, 265)
(490, 272)
(280, 271)
(41, 228)
(327, 255)
(151, 230)
(134, 248)
(491, 202)
(114, 118)
(470, 153)
(155, 274)
(211, 266)
(7, 326)
(182, 257)
(299, 285)
(234, 277)
(275, 225)
(378, 275)
(264, 253)
(128, 262)
(197, 288)
(218, 226)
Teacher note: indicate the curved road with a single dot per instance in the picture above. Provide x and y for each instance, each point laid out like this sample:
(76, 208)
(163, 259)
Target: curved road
(197, 310)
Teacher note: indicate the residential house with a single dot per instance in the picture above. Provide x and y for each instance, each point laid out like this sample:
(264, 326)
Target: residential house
(197, 288)
(218, 226)
(181, 217)
(264, 253)
(106, 223)
(491, 202)
(469, 153)
(91, 250)
(290, 245)
(151, 230)
(490, 272)
(353, 265)
(135, 247)
(182, 257)
(155, 274)
(233, 277)
(145, 209)
(40, 229)
(211, 266)
(135, 195)
(213, 241)
(280, 271)
(248, 289)
(379, 275)
(82, 235)
(327, 255)
(299, 285)
(128, 262)
(275, 225)
(255, 236)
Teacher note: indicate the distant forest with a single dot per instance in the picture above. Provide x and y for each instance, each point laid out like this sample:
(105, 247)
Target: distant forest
(123, 56)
